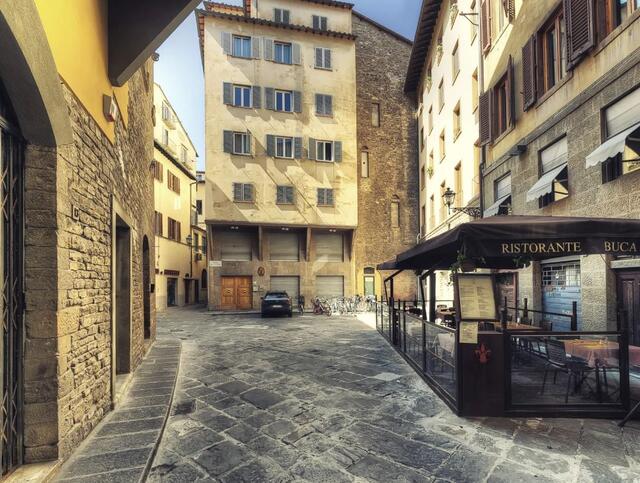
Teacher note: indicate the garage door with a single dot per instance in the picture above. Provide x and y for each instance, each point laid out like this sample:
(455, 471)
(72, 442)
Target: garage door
(329, 286)
(329, 247)
(235, 246)
(560, 288)
(291, 285)
(284, 247)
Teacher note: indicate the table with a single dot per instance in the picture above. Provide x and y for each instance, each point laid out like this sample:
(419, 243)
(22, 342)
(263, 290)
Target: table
(516, 326)
(598, 352)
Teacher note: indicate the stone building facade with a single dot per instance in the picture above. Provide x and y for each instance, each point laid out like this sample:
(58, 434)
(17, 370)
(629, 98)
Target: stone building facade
(76, 127)
(388, 191)
(558, 121)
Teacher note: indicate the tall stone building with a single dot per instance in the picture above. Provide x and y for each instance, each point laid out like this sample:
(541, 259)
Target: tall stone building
(76, 97)
(388, 220)
(560, 122)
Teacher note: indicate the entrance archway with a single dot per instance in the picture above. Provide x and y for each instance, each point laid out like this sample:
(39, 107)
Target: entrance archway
(123, 296)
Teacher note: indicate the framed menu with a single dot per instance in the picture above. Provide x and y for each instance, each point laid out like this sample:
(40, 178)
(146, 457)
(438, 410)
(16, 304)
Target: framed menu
(476, 297)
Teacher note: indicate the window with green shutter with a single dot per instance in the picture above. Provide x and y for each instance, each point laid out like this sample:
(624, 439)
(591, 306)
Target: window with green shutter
(323, 58)
(242, 47)
(320, 22)
(282, 52)
(243, 192)
(284, 147)
(284, 101)
(284, 195)
(325, 197)
(242, 143)
(324, 151)
(324, 105)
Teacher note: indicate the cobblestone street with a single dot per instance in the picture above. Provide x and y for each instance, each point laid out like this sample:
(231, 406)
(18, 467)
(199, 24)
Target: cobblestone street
(326, 399)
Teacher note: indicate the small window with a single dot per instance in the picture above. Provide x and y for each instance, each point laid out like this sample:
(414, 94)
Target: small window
(323, 58)
(243, 192)
(501, 106)
(157, 224)
(184, 154)
(430, 166)
(199, 207)
(432, 212)
(423, 180)
(474, 91)
(457, 183)
(173, 182)
(375, 114)
(456, 121)
(552, 52)
(242, 96)
(241, 143)
(174, 230)
(282, 52)
(502, 187)
(242, 46)
(430, 119)
(324, 105)
(443, 207)
(421, 140)
(165, 137)
(473, 25)
(441, 95)
(284, 147)
(157, 170)
(443, 152)
(612, 14)
(166, 112)
(324, 151)
(284, 101)
(455, 62)
(325, 197)
(284, 195)
(364, 164)
(552, 158)
(320, 23)
(281, 16)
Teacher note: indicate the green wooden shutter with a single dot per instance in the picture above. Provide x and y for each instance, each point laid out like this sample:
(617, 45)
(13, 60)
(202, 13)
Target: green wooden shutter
(286, 17)
(227, 93)
(256, 93)
(297, 101)
(312, 149)
(268, 49)
(327, 58)
(529, 91)
(248, 192)
(226, 43)
(270, 97)
(319, 104)
(337, 151)
(329, 196)
(316, 22)
(328, 105)
(319, 57)
(280, 194)
(271, 145)
(228, 141)
(297, 148)
(255, 47)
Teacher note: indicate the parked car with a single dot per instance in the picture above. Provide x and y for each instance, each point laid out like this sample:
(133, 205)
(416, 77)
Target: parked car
(276, 303)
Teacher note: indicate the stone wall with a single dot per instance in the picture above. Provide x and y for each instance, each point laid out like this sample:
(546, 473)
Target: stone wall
(69, 210)
(381, 65)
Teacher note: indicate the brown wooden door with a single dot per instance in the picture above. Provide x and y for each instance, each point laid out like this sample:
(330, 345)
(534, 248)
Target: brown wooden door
(629, 300)
(236, 293)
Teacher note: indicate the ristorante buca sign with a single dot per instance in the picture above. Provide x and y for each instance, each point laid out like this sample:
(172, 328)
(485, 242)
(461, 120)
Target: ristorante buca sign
(557, 248)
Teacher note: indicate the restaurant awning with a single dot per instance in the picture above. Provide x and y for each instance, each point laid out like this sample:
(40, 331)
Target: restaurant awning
(508, 241)
(544, 185)
(494, 209)
(614, 146)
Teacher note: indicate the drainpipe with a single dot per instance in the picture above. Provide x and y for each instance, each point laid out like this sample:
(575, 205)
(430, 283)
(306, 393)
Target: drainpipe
(483, 149)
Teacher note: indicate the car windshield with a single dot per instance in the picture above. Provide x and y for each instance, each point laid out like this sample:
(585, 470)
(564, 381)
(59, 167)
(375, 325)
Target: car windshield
(276, 296)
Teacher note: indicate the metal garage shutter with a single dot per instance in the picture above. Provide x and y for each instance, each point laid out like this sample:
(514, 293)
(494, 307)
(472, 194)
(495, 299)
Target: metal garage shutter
(329, 286)
(560, 288)
(291, 285)
(236, 246)
(284, 247)
(329, 247)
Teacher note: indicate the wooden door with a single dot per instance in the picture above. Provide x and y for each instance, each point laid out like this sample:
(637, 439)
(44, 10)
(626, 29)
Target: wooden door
(243, 293)
(629, 300)
(228, 293)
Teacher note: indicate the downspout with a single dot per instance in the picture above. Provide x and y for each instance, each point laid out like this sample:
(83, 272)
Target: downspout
(483, 149)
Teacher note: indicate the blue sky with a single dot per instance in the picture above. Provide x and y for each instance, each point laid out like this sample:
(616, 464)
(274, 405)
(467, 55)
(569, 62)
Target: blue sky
(179, 70)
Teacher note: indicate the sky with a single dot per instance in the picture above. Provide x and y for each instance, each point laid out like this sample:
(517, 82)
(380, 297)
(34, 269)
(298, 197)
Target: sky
(179, 70)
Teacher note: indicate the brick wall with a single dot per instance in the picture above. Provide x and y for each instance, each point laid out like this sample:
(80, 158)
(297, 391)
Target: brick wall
(381, 65)
(69, 268)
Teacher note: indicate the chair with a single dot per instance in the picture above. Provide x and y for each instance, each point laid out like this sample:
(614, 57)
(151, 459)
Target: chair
(546, 326)
(557, 361)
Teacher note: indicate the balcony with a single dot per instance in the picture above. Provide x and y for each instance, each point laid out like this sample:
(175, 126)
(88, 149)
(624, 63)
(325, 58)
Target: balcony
(171, 147)
(168, 117)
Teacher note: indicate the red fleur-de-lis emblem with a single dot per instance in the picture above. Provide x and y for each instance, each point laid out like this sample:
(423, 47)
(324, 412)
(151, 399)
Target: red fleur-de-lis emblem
(483, 354)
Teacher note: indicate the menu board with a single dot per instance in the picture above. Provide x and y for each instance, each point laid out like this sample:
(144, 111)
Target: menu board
(477, 297)
(468, 332)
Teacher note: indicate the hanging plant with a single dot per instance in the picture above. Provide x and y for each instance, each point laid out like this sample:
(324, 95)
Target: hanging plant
(522, 262)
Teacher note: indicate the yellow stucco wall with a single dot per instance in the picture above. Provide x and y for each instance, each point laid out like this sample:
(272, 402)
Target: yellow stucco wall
(77, 34)
(301, 13)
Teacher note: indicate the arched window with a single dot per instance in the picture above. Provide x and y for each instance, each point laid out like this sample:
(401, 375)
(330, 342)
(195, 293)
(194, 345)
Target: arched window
(369, 271)
(203, 279)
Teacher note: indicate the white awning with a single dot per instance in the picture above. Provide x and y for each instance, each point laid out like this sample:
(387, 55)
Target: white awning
(544, 185)
(614, 146)
(494, 209)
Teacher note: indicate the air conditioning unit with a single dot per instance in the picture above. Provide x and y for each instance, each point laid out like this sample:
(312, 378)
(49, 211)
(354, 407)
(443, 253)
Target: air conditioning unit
(110, 108)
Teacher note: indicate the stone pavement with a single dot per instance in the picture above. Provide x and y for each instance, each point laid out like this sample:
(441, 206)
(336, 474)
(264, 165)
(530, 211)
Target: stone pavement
(328, 400)
(121, 448)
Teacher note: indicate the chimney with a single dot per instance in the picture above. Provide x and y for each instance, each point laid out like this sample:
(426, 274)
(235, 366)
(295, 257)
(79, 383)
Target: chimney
(247, 8)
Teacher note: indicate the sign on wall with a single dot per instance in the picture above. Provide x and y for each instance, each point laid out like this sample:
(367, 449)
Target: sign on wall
(215, 263)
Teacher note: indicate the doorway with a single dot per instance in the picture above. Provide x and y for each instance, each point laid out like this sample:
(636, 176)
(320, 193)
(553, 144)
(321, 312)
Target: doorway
(172, 288)
(236, 293)
(187, 291)
(123, 296)
(629, 301)
(146, 287)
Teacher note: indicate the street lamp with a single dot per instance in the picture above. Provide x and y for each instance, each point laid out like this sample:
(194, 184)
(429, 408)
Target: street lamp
(449, 198)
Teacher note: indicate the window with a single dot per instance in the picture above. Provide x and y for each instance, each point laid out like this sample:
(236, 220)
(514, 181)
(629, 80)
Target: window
(455, 62)
(497, 107)
(282, 52)
(242, 96)
(501, 107)
(184, 154)
(166, 112)
(430, 119)
(173, 182)
(474, 22)
(432, 212)
(612, 13)
(619, 117)
(442, 146)
(485, 24)
(423, 220)
(284, 101)
(474, 91)
(476, 169)
(395, 212)
(325, 197)
(430, 164)
(242, 46)
(456, 121)
(241, 143)
(157, 170)
(423, 181)
(284, 147)
(443, 207)
(421, 140)
(320, 23)
(174, 229)
(364, 164)
(165, 137)
(553, 159)
(196, 241)
(281, 16)
(204, 245)
(157, 224)
(199, 207)
(243, 192)
(324, 105)
(457, 184)
(284, 195)
(502, 187)
(323, 58)
(375, 114)
(324, 150)
(441, 95)
(552, 52)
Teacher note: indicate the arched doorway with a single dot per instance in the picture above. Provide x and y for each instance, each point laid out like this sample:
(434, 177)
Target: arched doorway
(146, 284)
(11, 283)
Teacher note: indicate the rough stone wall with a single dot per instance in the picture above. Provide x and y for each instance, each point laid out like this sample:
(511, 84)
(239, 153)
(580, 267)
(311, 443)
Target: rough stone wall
(588, 196)
(381, 65)
(65, 401)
